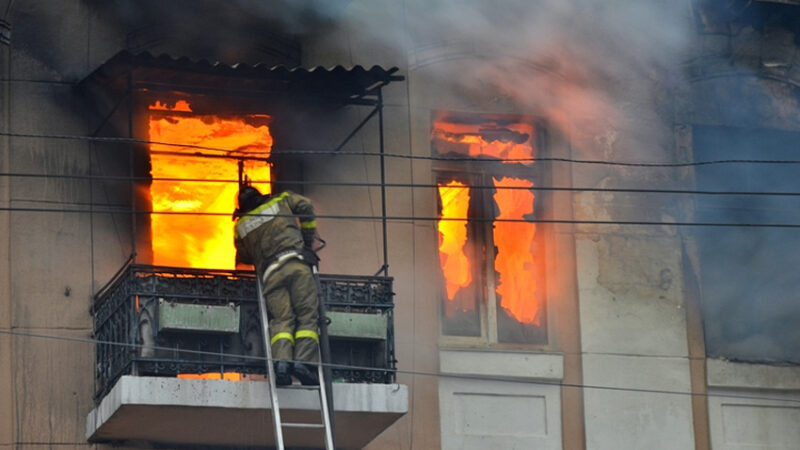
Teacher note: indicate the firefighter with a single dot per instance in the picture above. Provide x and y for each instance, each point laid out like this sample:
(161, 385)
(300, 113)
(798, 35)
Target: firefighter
(267, 235)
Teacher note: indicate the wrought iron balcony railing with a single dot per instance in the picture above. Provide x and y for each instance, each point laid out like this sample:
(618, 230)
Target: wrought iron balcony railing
(165, 321)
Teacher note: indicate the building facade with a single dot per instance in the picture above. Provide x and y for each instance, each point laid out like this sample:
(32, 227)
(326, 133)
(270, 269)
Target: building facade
(577, 203)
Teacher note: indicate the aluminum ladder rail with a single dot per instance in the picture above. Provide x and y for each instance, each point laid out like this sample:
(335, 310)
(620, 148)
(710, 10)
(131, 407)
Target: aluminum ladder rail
(323, 387)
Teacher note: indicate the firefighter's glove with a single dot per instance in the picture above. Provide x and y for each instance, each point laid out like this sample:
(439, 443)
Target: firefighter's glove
(308, 237)
(309, 256)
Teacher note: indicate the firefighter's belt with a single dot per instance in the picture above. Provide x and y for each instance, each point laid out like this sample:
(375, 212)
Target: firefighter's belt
(275, 261)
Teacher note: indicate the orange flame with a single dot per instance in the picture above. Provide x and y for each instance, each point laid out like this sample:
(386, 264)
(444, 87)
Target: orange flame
(229, 376)
(514, 261)
(180, 105)
(202, 241)
(510, 141)
(453, 237)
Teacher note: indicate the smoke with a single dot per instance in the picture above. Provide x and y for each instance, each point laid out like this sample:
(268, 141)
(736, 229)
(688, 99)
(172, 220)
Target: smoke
(750, 293)
(607, 75)
(564, 59)
(613, 76)
(248, 31)
(568, 61)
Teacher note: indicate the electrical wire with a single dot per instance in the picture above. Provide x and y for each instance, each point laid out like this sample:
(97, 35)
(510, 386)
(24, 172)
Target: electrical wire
(253, 156)
(127, 178)
(304, 152)
(59, 202)
(121, 140)
(410, 218)
(406, 372)
(425, 218)
(38, 81)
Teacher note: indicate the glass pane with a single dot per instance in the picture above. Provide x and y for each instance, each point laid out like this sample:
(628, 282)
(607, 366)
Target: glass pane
(518, 264)
(460, 290)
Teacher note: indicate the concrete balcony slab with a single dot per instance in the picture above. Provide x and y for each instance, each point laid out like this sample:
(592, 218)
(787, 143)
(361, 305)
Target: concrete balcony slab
(237, 414)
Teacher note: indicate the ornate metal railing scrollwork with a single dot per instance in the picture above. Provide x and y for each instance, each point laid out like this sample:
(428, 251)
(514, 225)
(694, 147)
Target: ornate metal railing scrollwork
(131, 341)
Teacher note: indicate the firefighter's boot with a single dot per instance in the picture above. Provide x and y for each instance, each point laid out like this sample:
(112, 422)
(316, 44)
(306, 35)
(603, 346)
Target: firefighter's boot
(306, 373)
(282, 377)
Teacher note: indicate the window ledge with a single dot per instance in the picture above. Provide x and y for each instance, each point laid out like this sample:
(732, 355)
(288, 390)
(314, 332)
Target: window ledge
(231, 414)
(728, 374)
(507, 364)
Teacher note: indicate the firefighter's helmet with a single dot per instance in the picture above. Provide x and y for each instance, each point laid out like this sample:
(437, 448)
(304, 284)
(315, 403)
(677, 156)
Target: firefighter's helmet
(249, 198)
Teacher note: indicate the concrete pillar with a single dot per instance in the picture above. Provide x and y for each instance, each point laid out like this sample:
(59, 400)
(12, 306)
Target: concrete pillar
(6, 391)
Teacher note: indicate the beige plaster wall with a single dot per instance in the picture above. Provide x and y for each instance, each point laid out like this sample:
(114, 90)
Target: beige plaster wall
(6, 392)
(45, 257)
(632, 305)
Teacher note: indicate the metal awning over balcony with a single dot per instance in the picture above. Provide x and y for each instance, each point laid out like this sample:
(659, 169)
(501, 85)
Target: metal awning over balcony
(153, 323)
(341, 85)
(124, 88)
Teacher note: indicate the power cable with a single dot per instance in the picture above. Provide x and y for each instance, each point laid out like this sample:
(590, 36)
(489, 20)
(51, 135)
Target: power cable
(60, 202)
(39, 81)
(304, 152)
(428, 218)
(409, 185)
(407, 372)
(320, 152)
(121, 140)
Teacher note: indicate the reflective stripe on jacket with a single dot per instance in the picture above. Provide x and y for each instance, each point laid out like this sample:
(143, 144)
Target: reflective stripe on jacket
(272, 227)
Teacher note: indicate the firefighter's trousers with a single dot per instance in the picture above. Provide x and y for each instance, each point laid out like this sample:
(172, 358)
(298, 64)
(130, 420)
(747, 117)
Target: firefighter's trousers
(291, 296)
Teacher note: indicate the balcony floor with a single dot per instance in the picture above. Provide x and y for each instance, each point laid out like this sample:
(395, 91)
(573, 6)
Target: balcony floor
(237, 414)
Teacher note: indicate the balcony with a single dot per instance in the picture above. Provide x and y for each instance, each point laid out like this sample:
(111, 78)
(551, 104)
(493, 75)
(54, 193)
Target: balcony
(154, 323)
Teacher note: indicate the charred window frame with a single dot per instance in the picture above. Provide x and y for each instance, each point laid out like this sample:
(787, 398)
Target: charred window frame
(474, 314)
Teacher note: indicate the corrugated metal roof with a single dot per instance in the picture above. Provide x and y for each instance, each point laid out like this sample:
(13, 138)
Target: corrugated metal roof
(147, 70)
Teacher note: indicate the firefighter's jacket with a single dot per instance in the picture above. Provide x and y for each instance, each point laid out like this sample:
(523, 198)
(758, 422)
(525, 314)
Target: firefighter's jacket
(270, 229)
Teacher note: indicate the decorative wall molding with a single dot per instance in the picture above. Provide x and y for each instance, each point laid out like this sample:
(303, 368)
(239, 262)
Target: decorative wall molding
(735, 375)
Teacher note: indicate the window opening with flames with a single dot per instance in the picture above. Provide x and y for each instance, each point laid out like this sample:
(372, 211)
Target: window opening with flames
(197, 240)
(493, 269)
(181, 185)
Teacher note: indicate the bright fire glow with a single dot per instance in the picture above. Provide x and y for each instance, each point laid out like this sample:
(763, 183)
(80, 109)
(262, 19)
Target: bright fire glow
(202, 241)
(230, 376)
(514, 261)
(180, 105)
(505, 145)
(452, 239)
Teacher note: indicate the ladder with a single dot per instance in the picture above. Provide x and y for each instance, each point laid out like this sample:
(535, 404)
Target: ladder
(323, 389)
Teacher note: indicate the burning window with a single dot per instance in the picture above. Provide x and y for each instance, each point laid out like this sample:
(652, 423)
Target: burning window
(184, 182)
(201, 178)
(491, 257)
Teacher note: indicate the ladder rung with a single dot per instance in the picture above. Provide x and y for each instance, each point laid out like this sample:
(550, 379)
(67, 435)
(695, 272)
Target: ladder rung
(302, 425)
(299, 386)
